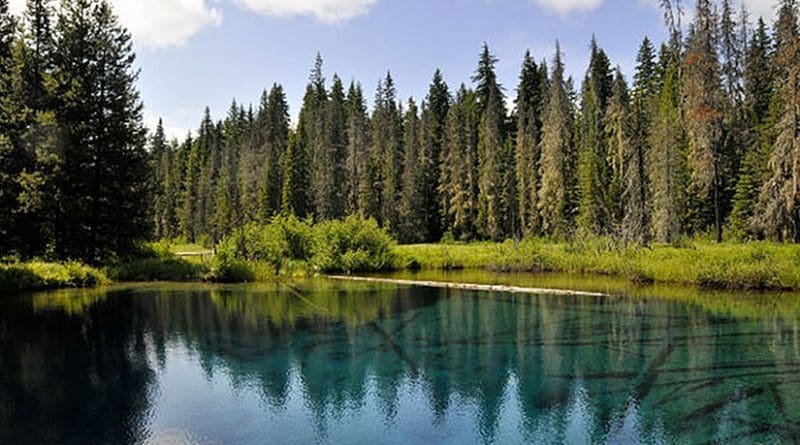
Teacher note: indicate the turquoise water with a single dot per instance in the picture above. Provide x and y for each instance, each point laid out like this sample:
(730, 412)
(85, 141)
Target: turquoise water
(374, 364)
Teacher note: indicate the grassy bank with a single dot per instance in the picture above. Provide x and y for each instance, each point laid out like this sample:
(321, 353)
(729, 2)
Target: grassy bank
(39, 275)
(708, 265)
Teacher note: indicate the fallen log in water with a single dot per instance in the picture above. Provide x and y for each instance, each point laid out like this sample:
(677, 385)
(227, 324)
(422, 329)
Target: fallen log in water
(470, 286)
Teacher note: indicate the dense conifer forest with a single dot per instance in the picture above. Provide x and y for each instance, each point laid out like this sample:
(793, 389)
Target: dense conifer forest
(700, 140)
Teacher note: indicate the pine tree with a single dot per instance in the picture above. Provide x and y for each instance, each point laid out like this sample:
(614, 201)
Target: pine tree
(595, 214)
(491, 209)
(254, 171)
(104, 202)
(295, 199)
(620, 151)
(359, 177)
(336, 141)
(666, 163)
(527, 154)
(434, 122)
(160, 160)
(758, 80)
(7, 34)
(276, 140)
(459, 176)
(703, 117)
(412, 229)
(387, 152)
(557, 155)
(634, 188)
(777, 214)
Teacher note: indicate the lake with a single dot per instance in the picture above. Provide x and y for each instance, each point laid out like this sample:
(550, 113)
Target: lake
(337, 362)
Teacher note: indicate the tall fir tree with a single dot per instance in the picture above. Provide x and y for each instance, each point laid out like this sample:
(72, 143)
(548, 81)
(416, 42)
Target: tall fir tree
(360, 178)
(276, 120)
(491, 169)
(777, 213)
(459, 175)
(104, 203)
(527, 154)
(756, 141)
(433, 126)
(666, 162)
(595, 213)
(703, 119)
(557, 157)
(387, 153)
(412, 228)
(635, 198)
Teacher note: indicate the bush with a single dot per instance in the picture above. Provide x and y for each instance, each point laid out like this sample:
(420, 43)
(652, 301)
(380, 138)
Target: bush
(37, 275)
(284, 241)
(158, 269)
(352, 245)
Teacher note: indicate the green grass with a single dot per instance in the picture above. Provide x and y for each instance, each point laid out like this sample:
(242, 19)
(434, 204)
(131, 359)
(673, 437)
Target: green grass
(708, 265)
(38, 275)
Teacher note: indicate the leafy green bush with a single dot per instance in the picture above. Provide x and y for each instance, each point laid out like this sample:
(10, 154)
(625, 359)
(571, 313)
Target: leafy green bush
(158, 269)
(284, 241)
(352, 245)
(40, 275)
(284, 238)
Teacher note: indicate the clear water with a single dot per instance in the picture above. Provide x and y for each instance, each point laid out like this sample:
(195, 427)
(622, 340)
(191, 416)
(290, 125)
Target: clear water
(378, 364)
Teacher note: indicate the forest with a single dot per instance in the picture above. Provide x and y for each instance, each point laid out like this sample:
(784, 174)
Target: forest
(700, 141)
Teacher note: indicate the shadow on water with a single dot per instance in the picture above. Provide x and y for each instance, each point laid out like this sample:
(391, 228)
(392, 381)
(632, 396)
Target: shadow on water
(353, 362)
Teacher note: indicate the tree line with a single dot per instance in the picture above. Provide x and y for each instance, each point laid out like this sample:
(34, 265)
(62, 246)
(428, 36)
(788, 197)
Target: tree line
(701, 141)
(73, 163)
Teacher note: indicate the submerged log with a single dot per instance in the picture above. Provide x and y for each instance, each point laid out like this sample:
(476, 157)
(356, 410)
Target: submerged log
(470, 286)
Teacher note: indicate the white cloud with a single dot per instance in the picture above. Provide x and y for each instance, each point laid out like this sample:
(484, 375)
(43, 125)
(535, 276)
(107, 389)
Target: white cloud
(16, 6)
(567, 6)
(163, 23)
(171, 130)
(761, 8)
(327, 11)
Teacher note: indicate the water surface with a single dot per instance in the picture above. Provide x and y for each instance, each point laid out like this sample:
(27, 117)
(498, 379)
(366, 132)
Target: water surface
(330, 362)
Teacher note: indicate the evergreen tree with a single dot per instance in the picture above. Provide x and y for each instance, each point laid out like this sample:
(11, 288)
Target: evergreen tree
(595, 214)
(703, 117)
(160, 160)
(336, 142)
(360, 177)
(529, 99)
(295, 197)
(634, 188)
(777, 213)
(254, 171)
(491, 169)
(557, 156)
(757, 141)
(275, 119)
(620, 153)
(104, 200)
(412, 229)
(387, 152)
(433, 122)
(666, 163)
(459, 177)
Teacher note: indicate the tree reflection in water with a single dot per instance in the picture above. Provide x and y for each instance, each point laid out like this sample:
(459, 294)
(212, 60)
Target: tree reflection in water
(332, 361)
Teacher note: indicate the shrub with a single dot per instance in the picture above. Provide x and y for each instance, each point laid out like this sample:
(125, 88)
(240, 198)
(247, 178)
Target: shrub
(352, 245)
(284, 240)
(36, 275)
(158, 269)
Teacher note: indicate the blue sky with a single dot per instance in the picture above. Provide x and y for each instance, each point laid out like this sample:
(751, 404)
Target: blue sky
(194, 53)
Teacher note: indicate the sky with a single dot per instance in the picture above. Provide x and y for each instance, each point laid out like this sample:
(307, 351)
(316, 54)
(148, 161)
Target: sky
(198, 53)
